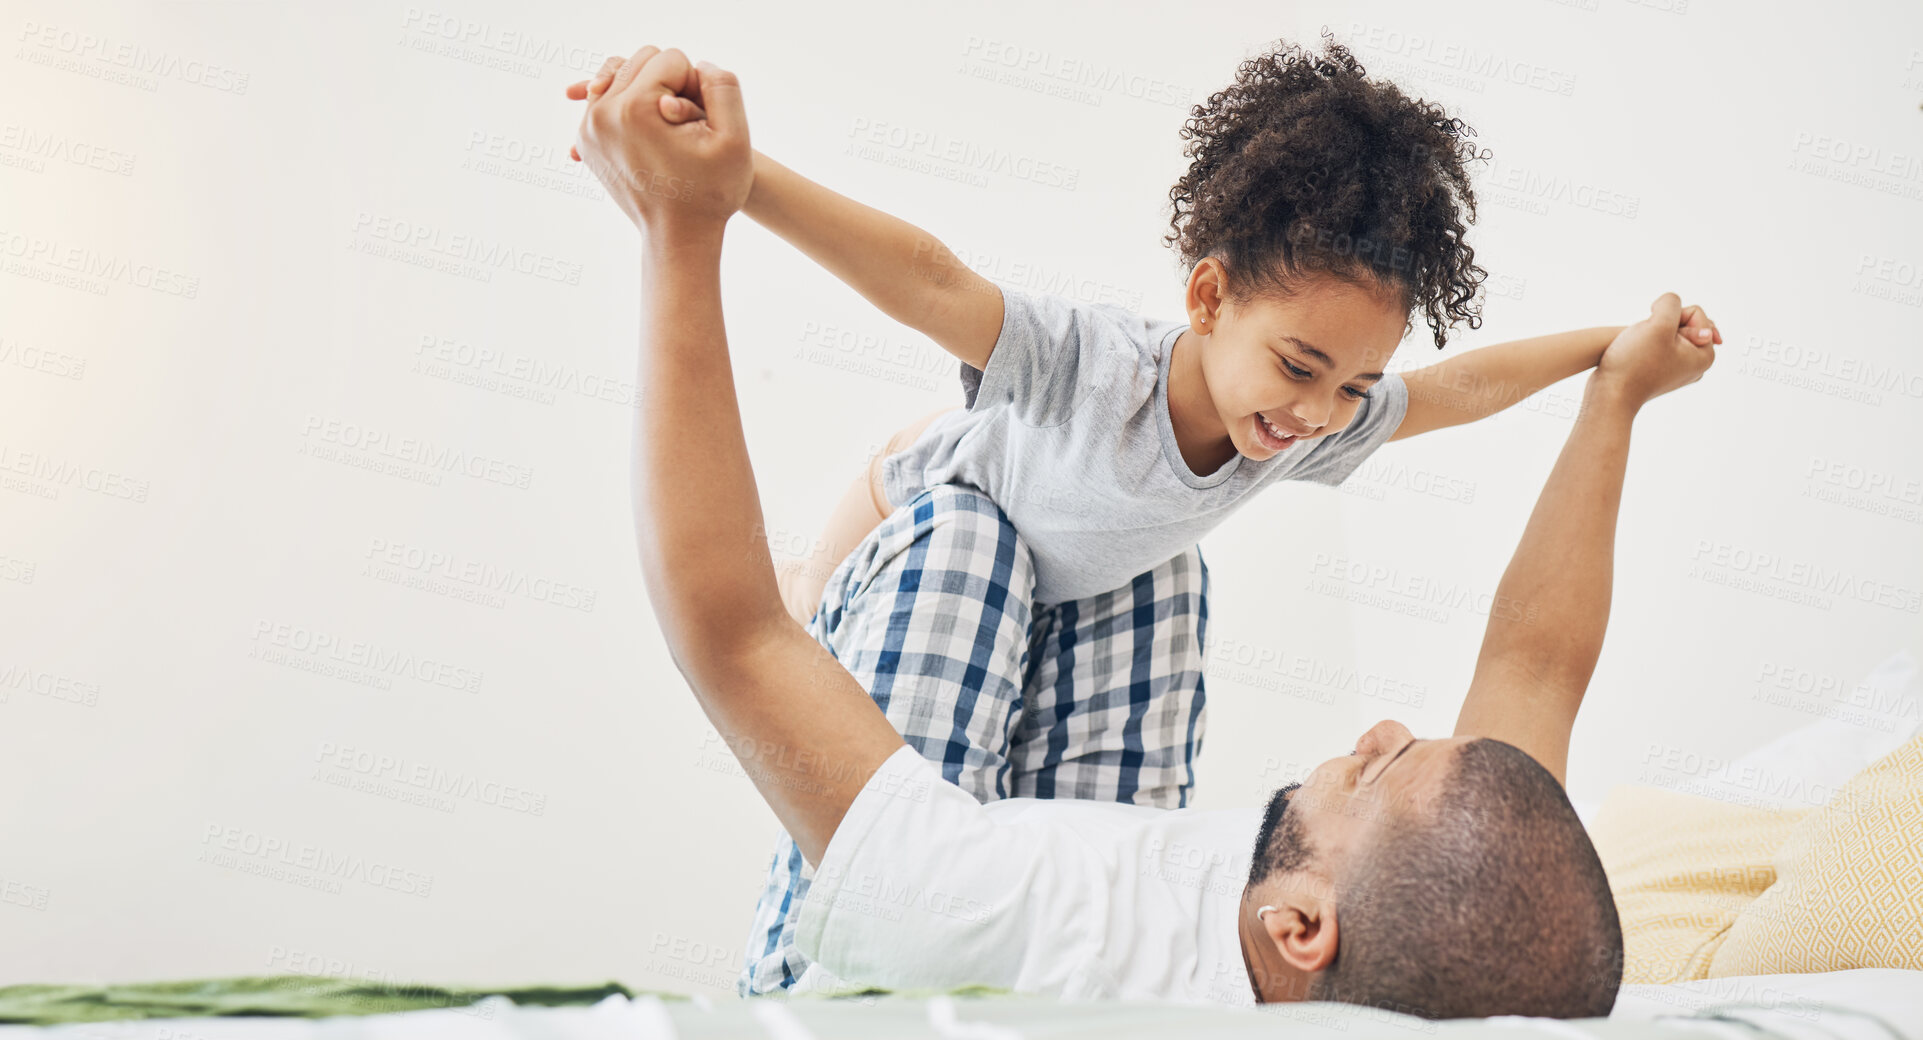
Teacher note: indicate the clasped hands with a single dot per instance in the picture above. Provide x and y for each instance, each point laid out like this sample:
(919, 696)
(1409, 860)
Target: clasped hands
(668, 139)
(1671, 348)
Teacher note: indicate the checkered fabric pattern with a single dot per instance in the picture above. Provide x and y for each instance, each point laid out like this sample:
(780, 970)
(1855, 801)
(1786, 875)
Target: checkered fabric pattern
(1099, 698)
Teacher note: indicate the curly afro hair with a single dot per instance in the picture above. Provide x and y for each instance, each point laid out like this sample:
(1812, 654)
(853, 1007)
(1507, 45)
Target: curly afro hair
(1305, 167)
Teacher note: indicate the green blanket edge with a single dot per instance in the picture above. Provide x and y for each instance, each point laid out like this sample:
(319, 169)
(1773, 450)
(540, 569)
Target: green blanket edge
(299, 996)
(302, 996)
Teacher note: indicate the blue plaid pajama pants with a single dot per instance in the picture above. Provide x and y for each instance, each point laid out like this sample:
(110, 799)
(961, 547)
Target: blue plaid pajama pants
(933, 613)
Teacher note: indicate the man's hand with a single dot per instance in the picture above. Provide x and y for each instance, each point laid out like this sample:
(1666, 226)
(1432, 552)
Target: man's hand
(1671, 348)
(697, 171)
(675, 108)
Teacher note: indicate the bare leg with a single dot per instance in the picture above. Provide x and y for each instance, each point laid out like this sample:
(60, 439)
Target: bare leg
(862, 507)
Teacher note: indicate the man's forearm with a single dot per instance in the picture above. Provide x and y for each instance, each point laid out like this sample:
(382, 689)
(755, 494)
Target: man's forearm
(805, 731)
(901, 269)
(1483, 382)
(1551, 609)
(697, 515)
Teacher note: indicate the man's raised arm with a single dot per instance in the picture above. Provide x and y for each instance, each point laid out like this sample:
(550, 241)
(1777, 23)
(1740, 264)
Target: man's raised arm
(761, 680)
(1546, 626)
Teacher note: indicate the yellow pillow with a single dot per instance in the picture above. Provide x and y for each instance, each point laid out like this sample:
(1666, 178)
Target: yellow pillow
(1682, 867)
(1849, 888)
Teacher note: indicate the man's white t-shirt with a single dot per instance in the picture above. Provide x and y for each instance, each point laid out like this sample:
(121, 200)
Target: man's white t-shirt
(924, 888)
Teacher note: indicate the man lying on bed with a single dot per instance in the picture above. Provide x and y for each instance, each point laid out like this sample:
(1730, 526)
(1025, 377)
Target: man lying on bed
(1443, 878)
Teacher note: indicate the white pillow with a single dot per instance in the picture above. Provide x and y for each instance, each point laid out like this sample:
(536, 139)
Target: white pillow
(1805, 767)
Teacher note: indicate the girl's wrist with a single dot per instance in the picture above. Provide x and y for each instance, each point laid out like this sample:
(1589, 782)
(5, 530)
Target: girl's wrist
(1605, 335)
(758, 197)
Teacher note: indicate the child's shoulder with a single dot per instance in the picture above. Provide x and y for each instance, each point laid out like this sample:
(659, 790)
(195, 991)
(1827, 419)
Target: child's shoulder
(1088, 311)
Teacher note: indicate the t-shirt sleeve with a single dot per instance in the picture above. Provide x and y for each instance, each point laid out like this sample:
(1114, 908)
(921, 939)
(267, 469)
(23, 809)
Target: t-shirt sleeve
(921, 888)
(1374, 423)
(1048, 359)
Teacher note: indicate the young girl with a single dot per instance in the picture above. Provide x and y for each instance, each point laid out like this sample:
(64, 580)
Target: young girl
(1320, 213)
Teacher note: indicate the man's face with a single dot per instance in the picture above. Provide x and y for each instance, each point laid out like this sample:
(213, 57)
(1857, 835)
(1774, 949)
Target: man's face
(1334, 811)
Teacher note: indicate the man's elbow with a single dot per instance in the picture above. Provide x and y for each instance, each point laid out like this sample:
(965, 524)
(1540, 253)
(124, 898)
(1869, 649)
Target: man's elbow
(709, 645)
(1554, 682)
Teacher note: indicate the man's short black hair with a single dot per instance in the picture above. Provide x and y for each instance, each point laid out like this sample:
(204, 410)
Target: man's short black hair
(1490, 901)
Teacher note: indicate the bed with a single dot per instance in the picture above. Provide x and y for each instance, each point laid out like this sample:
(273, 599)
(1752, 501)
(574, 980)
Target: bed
(1864, 1004)
(1689, 871)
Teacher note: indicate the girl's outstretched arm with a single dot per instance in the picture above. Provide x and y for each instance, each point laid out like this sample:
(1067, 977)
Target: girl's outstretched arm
(904, 271)
(901, 269)
(1482, 382)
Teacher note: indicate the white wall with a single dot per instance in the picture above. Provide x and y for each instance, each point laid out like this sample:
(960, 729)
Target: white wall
(167, 499)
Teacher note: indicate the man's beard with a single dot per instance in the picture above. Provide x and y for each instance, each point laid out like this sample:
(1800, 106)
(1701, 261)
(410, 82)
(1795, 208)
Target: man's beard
(1282, 844)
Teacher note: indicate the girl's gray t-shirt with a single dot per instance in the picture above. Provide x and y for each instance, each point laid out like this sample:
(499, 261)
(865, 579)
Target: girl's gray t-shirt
(1068, 431)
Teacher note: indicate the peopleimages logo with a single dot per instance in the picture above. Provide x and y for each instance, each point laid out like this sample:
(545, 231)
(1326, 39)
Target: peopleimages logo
(1270, 668)
(1849, 476)
(38, 144)
(325, 646)
(1683, 769)
(299, 863)
(1859, 154)
(869, 136)
(1436, 598)
(1463, 58)
(59, 473)
(535, 373)
(132, 58)
(430, 778)
(39, 359)
(16, 677)
(1737, 561)
(415, 451)
(1819, 369)
(389, 561)
(94, 267)
(488, 36)
(1072, 71)
(484, 255)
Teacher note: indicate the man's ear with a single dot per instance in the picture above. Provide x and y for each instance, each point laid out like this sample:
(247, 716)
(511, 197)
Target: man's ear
(1303, 929)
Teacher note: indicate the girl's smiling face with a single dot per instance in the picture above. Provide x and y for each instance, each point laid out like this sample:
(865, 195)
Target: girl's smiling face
(1283, 370)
